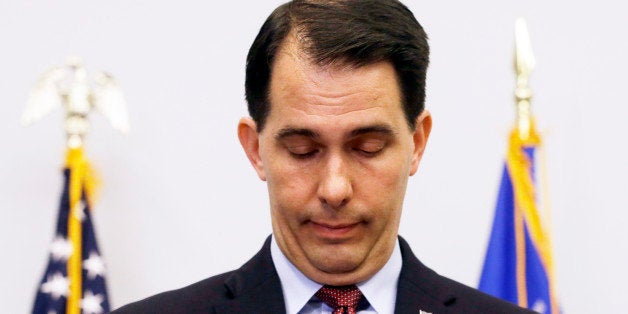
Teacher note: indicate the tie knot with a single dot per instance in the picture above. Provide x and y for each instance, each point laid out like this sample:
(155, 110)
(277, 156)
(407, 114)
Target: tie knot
(343, 300)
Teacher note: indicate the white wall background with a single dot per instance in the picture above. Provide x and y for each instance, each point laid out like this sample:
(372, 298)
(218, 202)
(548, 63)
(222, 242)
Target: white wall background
(178, 186)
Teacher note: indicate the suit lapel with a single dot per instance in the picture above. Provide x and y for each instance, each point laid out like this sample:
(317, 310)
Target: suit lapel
(255, 287)
(419, 287)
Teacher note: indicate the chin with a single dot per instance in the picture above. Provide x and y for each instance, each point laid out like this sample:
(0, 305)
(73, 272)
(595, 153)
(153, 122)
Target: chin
(336, 263)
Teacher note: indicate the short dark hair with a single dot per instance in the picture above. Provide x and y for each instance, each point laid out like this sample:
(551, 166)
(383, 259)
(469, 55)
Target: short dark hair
(354, 32)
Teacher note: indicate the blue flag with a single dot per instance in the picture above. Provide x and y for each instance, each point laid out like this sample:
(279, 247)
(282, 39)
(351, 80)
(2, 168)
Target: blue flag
(519, 266)
(74, 280)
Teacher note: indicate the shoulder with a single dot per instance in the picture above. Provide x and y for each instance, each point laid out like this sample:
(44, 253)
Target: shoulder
(254, 287)
(421, 287)
(197, 297)
(464, 299)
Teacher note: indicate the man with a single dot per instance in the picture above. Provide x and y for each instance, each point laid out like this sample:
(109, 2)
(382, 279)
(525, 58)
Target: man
(335, 91)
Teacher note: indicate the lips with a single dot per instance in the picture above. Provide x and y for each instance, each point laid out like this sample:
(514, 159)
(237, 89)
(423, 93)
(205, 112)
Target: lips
(333, 230)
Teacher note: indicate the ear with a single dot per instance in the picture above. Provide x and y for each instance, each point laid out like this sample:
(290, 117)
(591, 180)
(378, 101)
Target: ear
(420, 136)
(249, 139)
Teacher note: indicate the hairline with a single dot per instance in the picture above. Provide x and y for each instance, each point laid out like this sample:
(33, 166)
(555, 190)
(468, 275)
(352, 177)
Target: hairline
(293, 45)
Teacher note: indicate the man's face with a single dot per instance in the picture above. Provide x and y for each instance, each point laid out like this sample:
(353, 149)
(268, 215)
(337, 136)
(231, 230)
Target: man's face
(336, 152)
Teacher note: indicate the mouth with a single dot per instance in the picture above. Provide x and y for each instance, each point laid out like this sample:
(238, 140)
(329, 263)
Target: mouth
(333, 231)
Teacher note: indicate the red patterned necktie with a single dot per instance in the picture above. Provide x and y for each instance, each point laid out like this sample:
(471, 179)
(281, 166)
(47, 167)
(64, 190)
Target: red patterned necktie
(343, 299)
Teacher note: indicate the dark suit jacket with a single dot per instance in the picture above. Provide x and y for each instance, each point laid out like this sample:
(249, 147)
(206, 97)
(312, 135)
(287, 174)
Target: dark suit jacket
(255, 288)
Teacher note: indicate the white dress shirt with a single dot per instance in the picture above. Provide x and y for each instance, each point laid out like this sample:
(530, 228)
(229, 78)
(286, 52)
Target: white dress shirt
(298, 291)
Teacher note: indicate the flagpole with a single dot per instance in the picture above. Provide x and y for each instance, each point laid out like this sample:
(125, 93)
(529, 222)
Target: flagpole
(525, 135)
(524, 65)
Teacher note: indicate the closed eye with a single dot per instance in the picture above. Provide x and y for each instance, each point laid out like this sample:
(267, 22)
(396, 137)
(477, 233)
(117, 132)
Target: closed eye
(300, 143)
(369, 147)
(302, 148)
(306, 155)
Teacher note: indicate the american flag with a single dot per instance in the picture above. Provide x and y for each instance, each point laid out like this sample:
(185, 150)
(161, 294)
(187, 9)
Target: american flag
(74, 281)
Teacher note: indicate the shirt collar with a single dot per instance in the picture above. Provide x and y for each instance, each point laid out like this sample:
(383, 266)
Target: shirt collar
(297, 289)
(380, 290)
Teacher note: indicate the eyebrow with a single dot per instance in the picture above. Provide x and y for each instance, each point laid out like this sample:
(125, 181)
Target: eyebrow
(378, 128)
(290, 131)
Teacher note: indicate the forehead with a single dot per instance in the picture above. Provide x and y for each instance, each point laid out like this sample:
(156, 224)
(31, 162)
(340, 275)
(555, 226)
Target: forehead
(308, 93)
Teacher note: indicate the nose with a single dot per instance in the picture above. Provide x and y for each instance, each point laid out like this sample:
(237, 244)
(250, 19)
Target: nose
(335, 187)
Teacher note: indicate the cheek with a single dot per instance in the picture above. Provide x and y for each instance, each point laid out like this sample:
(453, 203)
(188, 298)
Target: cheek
(388, 172)
(290, 186)
(383, 186)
